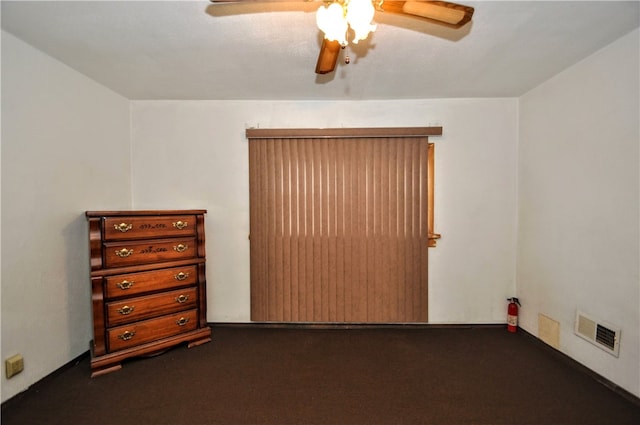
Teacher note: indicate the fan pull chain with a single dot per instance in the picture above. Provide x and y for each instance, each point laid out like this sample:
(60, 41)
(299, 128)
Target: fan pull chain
(344, 46)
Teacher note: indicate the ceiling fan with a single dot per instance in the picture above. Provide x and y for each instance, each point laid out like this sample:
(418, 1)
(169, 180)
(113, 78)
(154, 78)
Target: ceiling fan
(445, 13)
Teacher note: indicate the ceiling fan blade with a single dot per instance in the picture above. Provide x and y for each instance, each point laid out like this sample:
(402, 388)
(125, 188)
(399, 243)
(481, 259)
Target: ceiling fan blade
(328, 57)
(261, 1)
(443, 12)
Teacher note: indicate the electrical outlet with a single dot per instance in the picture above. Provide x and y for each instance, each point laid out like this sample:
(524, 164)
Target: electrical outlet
(14, 365)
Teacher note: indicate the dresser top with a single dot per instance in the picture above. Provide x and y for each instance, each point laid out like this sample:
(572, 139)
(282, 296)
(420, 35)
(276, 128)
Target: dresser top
(130, 213)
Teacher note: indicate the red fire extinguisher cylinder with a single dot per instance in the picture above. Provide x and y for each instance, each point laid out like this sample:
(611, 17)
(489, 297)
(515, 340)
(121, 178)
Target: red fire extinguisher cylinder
(512, 314)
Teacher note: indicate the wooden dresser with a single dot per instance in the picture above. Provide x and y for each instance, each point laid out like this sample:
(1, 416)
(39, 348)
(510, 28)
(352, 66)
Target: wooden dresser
(148, 283)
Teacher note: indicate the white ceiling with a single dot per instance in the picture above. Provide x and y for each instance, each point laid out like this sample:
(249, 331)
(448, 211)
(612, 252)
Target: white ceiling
(197, 50)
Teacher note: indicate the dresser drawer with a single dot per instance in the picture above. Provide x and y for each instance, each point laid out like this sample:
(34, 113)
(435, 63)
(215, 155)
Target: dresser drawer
(119, 254)
(124, 228)
(139, 308)
(138, 333)
(129, 284)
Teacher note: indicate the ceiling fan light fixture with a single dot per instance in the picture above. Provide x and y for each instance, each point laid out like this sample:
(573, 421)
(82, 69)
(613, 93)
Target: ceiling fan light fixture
(333, 23)
(336, 19)
(360, 16)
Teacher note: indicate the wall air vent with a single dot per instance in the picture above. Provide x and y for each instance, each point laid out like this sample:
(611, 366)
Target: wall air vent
(598, 333)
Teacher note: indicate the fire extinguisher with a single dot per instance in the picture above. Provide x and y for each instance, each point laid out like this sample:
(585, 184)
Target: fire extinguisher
(512, 314)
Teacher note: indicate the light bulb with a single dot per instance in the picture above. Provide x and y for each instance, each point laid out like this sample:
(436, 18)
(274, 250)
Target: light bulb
(359, 16)
(332, 22)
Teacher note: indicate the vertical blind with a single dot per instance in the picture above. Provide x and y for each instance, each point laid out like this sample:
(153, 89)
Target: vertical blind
(339, 228)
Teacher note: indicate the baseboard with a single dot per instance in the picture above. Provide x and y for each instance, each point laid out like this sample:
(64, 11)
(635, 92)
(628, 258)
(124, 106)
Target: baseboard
(334, 325)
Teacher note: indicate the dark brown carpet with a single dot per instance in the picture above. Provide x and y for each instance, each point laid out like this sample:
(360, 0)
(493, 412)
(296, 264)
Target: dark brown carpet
(361, 376)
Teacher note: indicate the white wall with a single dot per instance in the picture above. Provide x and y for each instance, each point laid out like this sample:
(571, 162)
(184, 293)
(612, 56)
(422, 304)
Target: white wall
(579, 205)
(65, 149)
(193, 154)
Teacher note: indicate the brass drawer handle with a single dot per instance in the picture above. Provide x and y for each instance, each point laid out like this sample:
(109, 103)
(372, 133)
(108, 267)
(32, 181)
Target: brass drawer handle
(182, 321)
(180, 225)
(123, 227)
(125, 284)
(181, 248)
(182, 298)
(181, 276)
(126, 310)
(124, 252)
(127, 335)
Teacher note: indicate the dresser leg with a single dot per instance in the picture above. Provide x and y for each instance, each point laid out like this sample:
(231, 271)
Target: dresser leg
(104, 370)
(198, 342)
